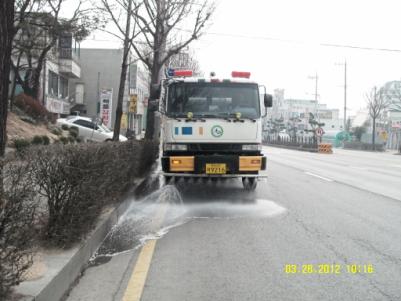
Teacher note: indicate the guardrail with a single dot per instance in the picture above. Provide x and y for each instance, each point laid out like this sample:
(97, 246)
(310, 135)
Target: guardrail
(299, 143)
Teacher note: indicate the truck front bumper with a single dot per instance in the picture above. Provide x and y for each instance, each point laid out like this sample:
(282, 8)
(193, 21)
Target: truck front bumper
(195, 165)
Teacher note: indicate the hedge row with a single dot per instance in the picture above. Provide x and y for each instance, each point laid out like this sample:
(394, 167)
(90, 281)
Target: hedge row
(363, 146)
(17, 220)
(69, 184)
(77, 180)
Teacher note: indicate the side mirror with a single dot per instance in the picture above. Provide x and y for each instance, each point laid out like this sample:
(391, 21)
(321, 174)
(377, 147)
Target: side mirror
(268, 100)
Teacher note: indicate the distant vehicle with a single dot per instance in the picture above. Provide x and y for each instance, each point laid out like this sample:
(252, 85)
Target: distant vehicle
(89, 130)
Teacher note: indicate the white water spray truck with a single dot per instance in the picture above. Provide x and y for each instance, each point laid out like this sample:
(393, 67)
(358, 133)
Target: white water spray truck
(211, 127)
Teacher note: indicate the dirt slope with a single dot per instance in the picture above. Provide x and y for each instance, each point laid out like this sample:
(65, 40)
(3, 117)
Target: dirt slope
(17, 129)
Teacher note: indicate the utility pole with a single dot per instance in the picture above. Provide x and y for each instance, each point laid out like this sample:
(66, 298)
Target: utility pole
(345, 95)
(316, 78)
(345, 92)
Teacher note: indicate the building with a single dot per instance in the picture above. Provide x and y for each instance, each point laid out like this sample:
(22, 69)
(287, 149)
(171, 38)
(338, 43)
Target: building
(295, 113)
(100, 79)
(59, 75)
(139, 91)
(330, 118)
(60, 66)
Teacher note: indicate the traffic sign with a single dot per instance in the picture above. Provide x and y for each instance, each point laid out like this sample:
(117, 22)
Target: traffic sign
(319, 132)
(383, 135)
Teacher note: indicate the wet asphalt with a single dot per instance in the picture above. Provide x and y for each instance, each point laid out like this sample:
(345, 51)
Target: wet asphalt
(219, 242)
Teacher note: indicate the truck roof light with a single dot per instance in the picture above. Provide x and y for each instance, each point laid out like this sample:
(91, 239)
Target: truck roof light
(183, 73)
(241, 74)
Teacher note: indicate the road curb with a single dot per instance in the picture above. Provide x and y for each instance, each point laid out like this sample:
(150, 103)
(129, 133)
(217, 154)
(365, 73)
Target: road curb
(59, 286)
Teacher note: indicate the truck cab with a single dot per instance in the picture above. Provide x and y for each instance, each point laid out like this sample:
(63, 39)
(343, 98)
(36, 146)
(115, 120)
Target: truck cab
(212, 128)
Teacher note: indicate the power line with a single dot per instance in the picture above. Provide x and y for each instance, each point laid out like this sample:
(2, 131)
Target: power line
(356, 47)
(231, 35)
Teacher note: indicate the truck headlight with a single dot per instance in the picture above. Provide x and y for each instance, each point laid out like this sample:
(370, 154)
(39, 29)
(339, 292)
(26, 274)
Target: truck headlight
(251, 147)
(175, 147)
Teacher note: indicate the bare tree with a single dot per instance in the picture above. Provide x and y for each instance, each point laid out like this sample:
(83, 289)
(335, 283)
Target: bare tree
(185, 60)
(377, 103)
(159, 23)
(40, 28)
(119, 13)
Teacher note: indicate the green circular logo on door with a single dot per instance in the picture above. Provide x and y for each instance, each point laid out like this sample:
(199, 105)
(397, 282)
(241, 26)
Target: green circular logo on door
(217, 131)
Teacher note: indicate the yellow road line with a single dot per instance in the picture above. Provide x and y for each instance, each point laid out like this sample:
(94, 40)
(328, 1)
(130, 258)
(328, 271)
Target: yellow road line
(138, 278)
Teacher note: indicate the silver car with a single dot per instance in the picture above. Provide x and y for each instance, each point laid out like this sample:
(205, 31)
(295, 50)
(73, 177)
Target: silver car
(88, 129)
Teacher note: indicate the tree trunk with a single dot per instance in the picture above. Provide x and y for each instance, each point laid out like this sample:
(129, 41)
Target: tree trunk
(6, 38)
(12, 96)
(120, 97)
(35, 80)
(158, 51)
(150, 115)
(374, 134)
(123, 75)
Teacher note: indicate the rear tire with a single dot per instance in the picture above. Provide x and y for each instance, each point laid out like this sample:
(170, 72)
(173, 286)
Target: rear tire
(167, 179)
(249, 183)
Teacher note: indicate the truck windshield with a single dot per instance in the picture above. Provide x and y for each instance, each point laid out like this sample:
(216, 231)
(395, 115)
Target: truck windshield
(213, 100)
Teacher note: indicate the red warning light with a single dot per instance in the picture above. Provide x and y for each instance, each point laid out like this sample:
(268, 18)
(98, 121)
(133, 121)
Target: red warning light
(241, 74)
(184, 73)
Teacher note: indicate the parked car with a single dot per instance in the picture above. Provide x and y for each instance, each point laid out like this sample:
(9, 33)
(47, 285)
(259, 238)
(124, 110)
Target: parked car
(88, 129)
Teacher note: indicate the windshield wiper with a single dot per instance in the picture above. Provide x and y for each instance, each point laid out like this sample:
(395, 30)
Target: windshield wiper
(176, 116)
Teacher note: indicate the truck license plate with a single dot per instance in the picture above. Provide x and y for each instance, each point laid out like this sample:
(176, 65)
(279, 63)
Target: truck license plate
(215, 168)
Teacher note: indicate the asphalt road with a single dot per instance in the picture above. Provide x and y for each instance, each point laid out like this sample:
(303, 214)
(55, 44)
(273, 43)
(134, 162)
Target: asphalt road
(335, 218)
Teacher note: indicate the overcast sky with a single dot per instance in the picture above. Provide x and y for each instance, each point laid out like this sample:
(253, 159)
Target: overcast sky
(281, 43)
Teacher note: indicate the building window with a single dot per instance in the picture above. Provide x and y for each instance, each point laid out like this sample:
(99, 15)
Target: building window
(63, 87)
(53, 83)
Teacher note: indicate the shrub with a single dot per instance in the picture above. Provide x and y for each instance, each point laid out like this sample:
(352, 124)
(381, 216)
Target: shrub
(28, 119)
(78, 179)
(363, 146)
(32, 107)
(56, 131)
(37, 140)
(46, 140)
(67, 176)
(64, 127)
(52, 118)
(71, 139)
(74, 131)
(21, 144)
(63, 140)
(17, 220)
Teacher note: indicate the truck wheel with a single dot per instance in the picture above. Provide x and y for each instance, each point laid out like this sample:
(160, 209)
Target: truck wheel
(167, 179)
(249, 183)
